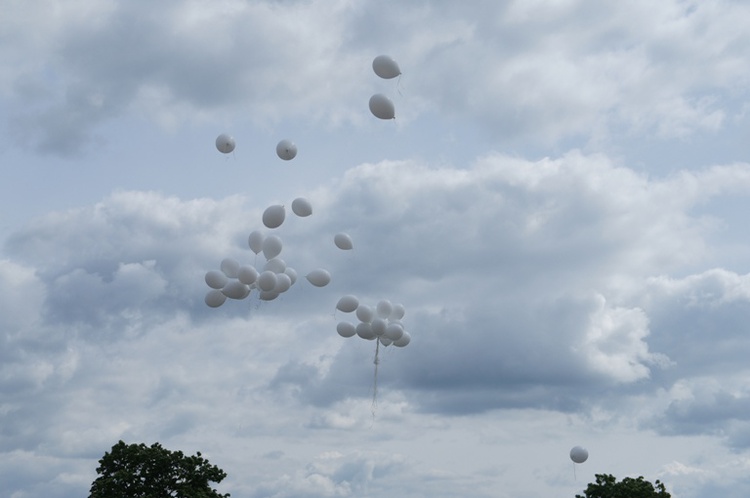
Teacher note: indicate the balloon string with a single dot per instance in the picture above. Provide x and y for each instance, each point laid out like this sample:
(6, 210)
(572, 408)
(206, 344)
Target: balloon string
(375, 380)
(574, 472)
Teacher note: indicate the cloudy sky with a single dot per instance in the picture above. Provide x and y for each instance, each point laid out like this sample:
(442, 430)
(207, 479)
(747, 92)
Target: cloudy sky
(560, 206)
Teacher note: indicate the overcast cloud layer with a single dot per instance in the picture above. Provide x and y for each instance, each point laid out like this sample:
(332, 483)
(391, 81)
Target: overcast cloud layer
(559, 205)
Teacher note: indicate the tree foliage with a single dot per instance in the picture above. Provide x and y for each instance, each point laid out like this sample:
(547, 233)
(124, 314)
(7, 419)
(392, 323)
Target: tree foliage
(606, 486)
(140, 471)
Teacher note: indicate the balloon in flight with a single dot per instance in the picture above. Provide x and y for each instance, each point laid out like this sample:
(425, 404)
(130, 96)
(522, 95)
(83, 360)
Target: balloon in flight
(385, 67)
(225, 143)
(579, 454)
(286, 150)
(382, 107)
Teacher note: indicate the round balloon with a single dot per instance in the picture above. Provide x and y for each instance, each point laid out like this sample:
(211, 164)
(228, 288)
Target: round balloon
(267, 295)
(247, 274)
(403, 341)
(301, 207)
(216, 279)
(215, 298)
(235, 290)
(398, 312)
(385, 67)
(394, 331)
(272, 246)
(347, 303)
(276, 265)
(266, 281)
(274, 216)
(365, 313)
(283, 283)
(291, 273)
(225, 143)
(382, 107)
(230, 267)
(346, 329)
(255, 241)
(364, 330)
(286, 150)
(343, 241)
(384, 308)
(579, 454)
(378, 326)
(319, 277)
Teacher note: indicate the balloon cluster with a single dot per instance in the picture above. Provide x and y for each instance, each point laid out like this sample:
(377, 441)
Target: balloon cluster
(381, 322)
(381, 106)
(236, 281)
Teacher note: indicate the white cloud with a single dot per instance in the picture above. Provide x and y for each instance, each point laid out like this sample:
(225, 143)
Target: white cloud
(615, 343)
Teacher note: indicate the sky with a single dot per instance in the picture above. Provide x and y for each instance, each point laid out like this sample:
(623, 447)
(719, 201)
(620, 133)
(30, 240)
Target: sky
(559, 205)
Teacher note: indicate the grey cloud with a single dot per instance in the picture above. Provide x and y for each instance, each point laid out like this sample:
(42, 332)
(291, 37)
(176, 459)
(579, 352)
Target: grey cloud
(700, 320)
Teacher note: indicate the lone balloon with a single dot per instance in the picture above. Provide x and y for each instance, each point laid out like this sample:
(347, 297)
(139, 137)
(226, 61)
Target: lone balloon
(579, 454)
(343, 241)
(286, 150)
(225, 143)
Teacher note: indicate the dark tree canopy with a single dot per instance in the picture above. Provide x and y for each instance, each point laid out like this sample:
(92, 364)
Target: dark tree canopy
(140, 471)
(606, 486)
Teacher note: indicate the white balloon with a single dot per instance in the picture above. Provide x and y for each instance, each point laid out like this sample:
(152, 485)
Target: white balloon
(247, 274)
(378, 326)
(385, 67)
(274, 216)
(286, 150)
(319, 277)
(343, 241)
(384, 308)
(346, 329)
(364, 330)
(579, 454)
(276, 265)
(382, 107)
(291, 273)
(216, 279)
(398, 312)
(347, 303)
(272, 246)
(235, 290)
(255, 241)
(301, 207)
(283, 283)
(403, 340)
(266, 281)
(230, 267)
(365, 313)
(225, 143)
(267, 295)
(385, 341)
(394, 331)
(215, 298)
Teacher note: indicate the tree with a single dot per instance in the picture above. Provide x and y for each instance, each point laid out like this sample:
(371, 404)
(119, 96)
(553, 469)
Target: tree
(140, 471)
(607, 487)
